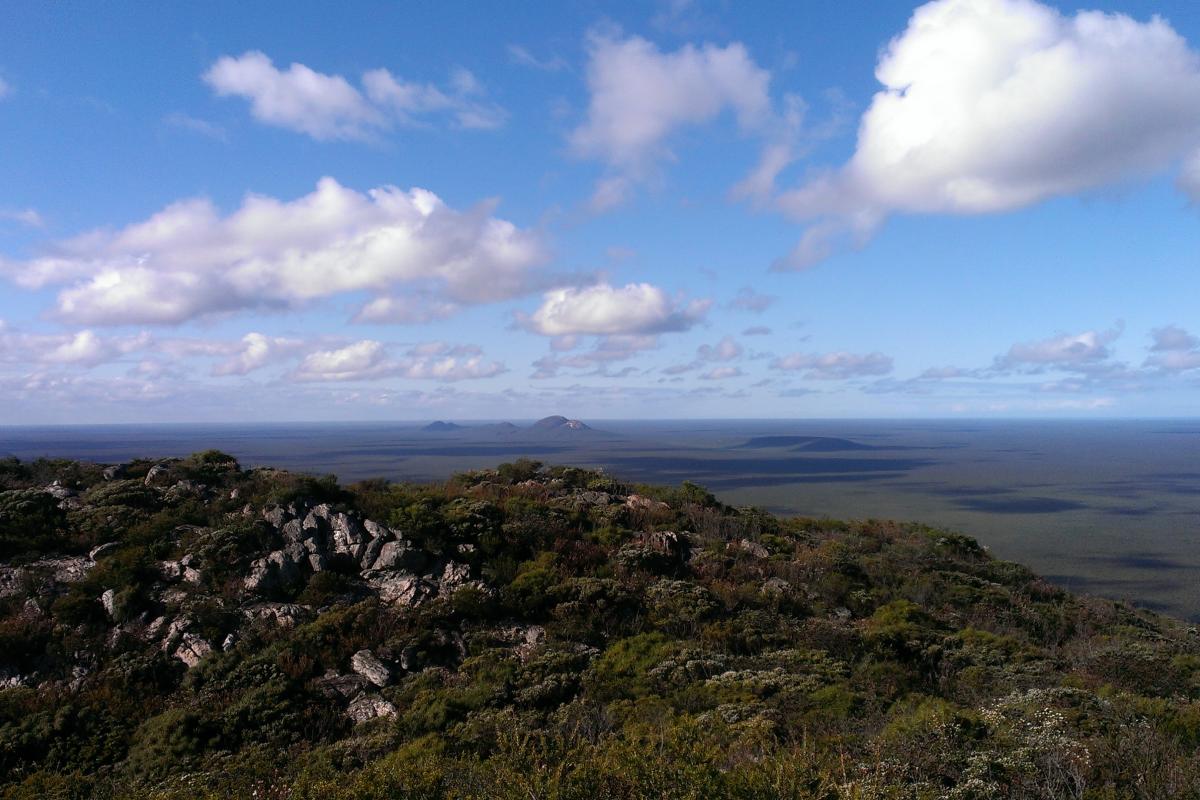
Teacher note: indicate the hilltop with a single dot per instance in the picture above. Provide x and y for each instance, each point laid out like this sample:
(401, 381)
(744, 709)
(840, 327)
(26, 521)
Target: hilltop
(186, 628)
(554, 424)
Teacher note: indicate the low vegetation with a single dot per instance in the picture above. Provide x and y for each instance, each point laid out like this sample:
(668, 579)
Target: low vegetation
(190, 629)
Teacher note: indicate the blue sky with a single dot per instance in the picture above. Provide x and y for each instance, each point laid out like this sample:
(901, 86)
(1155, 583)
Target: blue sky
(461, 210)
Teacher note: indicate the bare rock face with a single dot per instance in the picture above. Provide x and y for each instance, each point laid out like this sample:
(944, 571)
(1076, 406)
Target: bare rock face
(753, 548)
(47, 575)
(636, 501)
(185, 644)
(284, 615)
(192, 649)
(398, 588)
(368, 706)
(454, 575)
(279, 568)
(108, 600)
(341, 686)
(365, 663)
(155, 472)
(102, 550)
(398, 555)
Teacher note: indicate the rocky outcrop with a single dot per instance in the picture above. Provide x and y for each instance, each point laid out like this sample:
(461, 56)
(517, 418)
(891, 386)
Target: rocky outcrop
(369, 706)
(365, 664)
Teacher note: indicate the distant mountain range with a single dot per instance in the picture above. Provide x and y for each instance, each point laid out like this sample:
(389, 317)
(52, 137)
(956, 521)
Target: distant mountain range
(556, 424)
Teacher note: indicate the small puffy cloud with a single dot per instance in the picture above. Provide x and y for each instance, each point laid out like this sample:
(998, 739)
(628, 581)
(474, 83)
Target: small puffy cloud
(605, 351)
(188, 261)
(640, 95)
(256, 351)
(725, 350)
(1174, 350)
(406, 310)
(604, 310)
(1070, 351)
(28, 217)
(834, 366)
(300, 98)
(1173, 337)
(749, 300)
(721, 373)
(369, 360)
(407, 102)
(362, 360)
(328, 107)
(992, 105)
(84, 348)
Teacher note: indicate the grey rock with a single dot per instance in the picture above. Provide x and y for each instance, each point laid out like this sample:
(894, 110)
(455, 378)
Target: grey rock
(398, 555)
(753, 548)
(367, 707)
(59, 492)
(230, 642)
(365, 663)
(102, 549)
(454, 575)
(276, 516)
(111, 473)
(156, 471)
(341, 686)
(284, 615)
(377, 531)
(108, 600)
(398, 588)
(192, 649)
(776, 586)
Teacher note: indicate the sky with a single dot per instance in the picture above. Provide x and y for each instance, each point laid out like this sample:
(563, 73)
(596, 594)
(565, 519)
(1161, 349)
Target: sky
(370, 211)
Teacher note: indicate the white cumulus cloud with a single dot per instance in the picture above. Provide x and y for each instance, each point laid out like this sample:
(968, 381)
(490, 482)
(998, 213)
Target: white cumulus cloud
(187, 260)
(370, 360)
(329, 107)
(636, 308)
(992, 105)
(1070, 351)
(640, 95)
(256, 351)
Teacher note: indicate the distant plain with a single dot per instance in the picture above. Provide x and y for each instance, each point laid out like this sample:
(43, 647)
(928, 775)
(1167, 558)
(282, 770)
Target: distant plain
(1109, 508)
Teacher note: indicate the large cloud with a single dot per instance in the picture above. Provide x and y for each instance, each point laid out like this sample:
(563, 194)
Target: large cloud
(187, 260)
(330, 107)
(603, 310)
(991, 105)
(641, 95)
(84, 348)
(1079, 352)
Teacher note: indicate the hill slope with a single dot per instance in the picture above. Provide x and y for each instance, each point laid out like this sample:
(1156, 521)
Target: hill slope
(189, 629)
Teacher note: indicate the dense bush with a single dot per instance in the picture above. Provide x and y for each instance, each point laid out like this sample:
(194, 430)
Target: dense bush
(605, 646)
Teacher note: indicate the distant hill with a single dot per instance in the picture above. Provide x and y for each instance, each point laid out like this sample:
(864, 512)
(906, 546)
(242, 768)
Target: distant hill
(442, 427)
(558, 422)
